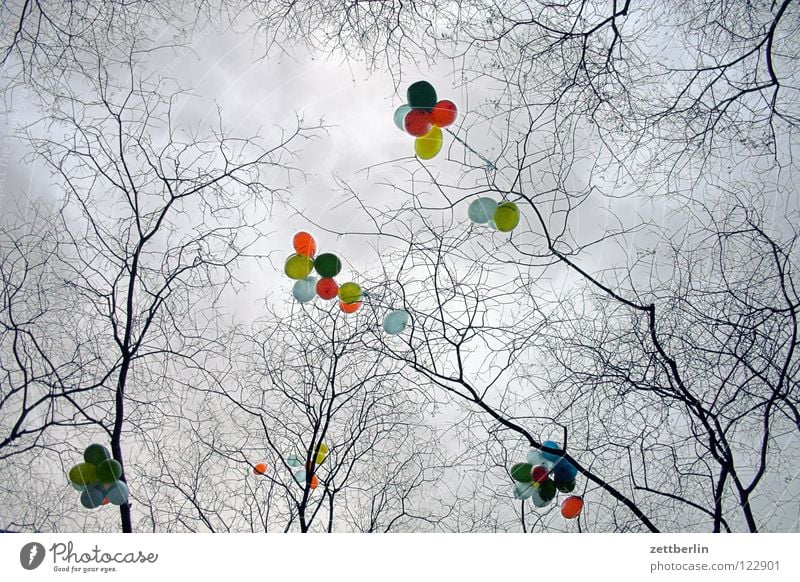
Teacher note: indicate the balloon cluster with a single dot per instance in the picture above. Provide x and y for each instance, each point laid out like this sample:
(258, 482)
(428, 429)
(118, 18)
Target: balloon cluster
(542, 476)
(424, 117)
(327, 265)
(502, 216)
(301, 475)
(98, 478)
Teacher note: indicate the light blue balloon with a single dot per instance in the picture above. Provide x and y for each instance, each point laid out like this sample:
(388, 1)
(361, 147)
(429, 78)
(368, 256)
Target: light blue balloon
(293, 461)
(536, 499)
(400, 116)
(550, 456)
(118, 493)
(523, 490)
(300, 476)
(93, 497)
(482, 210)
(395, 322)
(304, 290)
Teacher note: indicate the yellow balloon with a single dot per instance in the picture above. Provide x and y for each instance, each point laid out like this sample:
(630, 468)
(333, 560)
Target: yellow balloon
(428, 145)
(323, 453)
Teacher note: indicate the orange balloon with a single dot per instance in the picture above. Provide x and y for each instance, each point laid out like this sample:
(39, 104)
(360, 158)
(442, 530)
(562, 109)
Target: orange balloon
(327, 288)
(571, 507)
(304, 244)
(314, 482)
(349, 307)
(260, 469)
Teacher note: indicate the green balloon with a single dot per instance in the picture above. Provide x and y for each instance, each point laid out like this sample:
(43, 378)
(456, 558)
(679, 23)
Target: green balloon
(109, 471)
(350, 293)
(83, 474)
(547, 490)
(298, 266)
(96, 454)
(327, 265)
(422, 95)
(565, 486)
(521, 472)
(506, 217)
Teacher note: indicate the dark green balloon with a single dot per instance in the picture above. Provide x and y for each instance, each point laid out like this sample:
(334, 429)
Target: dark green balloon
(327, 265)
(565, 486)
(547, 490)
(521, 472)
(422, 95)
(96, 454)
(109, 471)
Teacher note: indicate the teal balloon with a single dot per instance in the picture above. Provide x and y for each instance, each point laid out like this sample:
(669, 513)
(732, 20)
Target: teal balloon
(118, 493)
(482, 210)
(523, 490)
(422, 95)
(96, 454)
(305, 290)
(553, 458)
(400, 116)
(395, 322)
(293, 461)
(93, 497)
(80, 488)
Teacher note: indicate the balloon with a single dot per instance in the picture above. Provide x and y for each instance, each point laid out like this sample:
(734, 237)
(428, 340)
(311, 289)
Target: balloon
(293, 461)
(400, 116)
(260, 469)
(521, 472)
(421, 95)
(92, 498)
(429, 144)
(304, 244)
(536, 498)
(523, 490)
(571, 507)
(350, 293)
(118, 493)
(109, 471)
(96, 454)
(298, 266)
(106, 501)
(564, 471)
(80, 488)
(327, 265)
(547, 490)
(349, 307)
(322, 454)
(539, 474)
(552, 457)
(395, 322)
(300, 476)
(304, 290)
(418, 122)
(314, 482)
(83, 474)
(327, 288)
(565, 486)
(444, 113)
(482, 210)
(506, 217)
(492, 225)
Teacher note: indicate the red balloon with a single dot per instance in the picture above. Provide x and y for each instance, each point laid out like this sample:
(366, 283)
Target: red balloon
(304, 244)
(349, 307)
(571, 507)
(327, 288)
(444, 113)
(539, 474)
(418, 122)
